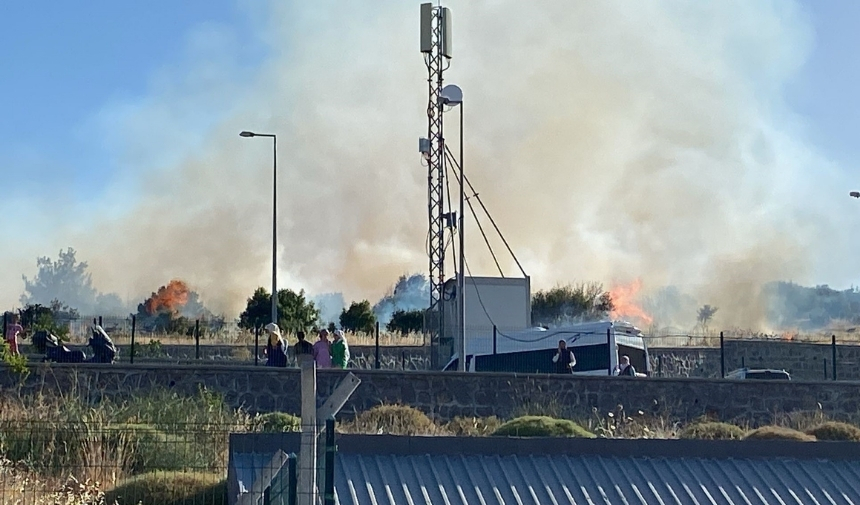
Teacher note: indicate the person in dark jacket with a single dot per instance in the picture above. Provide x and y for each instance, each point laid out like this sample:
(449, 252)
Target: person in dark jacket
(276, 349)
(302, 346)
(625, 369)
(564, 359)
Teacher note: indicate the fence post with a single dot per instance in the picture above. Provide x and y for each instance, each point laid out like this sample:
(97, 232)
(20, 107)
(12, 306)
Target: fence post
(133, 327)
(403, 360)
(376, 363)
(5, 322)
(95, 321)
(293, 480)
(833, 347)
(825, 368)
(722, 357)
(495, 338)
(100, 321)
(330, 450)
(609, 346)
(197, 339)
(267, 495)
(256, 345)
(659, 365)
(743, 361)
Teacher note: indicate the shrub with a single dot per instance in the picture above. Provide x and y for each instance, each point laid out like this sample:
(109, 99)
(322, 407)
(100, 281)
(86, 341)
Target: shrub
(541, 426)
(392, 420)
(711, 430)
(162, 488)
(833, 430)
(778, 433)
(276, 422)
(473, 426)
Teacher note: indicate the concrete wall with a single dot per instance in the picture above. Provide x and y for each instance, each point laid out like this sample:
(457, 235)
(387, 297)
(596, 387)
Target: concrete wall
(260, 389)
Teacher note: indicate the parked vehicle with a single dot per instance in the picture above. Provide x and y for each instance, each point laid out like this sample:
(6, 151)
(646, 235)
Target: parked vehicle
(597, 348)
(759, 374)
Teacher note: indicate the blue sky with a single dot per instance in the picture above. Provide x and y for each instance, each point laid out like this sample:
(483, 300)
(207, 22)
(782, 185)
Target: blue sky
(63, 62)
(73, 72)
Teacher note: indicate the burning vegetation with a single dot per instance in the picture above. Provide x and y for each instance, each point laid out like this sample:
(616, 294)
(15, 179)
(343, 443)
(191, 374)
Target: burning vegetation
(626, 306)
(174, 308)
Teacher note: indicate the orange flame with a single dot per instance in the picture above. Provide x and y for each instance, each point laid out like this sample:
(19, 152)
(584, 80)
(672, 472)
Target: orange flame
(169, 298)
(626, 307)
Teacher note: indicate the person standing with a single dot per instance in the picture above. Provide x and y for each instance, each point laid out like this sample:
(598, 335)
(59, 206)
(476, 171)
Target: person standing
(276, 350)
(339, 350)
(625, 368)
(13, 331)
(322, 350)
(302, 346)
(564, 359)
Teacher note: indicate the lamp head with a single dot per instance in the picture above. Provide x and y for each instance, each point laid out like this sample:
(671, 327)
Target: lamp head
(451, 95)
(246, 134)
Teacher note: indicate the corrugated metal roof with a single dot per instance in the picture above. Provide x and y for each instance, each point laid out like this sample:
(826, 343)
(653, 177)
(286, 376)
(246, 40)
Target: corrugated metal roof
(450, 479)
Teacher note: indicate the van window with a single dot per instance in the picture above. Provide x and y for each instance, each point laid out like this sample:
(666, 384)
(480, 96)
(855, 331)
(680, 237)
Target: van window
(638, 357)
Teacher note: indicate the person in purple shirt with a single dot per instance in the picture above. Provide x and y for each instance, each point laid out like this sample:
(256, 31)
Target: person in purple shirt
(322, 350)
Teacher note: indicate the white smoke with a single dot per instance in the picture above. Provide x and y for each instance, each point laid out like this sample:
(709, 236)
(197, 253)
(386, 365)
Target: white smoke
(611, 140)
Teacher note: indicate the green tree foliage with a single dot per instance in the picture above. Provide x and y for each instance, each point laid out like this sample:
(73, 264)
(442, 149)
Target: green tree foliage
(358, 317)
(295, 311)
(406, 321)
(54, 318)
(571, 303)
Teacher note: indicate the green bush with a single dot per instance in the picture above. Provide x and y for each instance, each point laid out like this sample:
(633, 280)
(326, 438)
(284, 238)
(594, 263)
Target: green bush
(473, 426)
(541, 426)
(711, 430)
(276, 422)
(163, 488)
(833, 430)
(778, 433)
(150, 449)
(392, 420)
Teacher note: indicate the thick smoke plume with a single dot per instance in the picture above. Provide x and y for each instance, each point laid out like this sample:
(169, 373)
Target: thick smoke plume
(611, 140)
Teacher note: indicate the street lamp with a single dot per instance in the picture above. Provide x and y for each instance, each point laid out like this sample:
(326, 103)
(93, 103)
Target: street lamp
(855, 194)
(274, 219)
(452, 95)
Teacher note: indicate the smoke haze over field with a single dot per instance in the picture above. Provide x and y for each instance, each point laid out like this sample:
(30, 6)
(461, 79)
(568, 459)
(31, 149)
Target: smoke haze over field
(611, 141)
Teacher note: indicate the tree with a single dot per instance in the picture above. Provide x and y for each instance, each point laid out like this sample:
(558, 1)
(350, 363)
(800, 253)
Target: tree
(358, 317)
(295, 312)
(706, 313)
(64, 279)
(406, 321)
(54, 318)
(571, 303)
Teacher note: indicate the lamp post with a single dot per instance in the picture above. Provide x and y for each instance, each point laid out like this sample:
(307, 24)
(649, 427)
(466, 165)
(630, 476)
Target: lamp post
(274, 219)
(453, 95)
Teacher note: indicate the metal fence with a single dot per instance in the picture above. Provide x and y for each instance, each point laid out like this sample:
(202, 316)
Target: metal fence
(129, 464)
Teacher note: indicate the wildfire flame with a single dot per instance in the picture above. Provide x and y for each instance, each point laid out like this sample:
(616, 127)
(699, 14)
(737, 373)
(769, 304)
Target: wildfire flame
(169, 298)
(626, 307)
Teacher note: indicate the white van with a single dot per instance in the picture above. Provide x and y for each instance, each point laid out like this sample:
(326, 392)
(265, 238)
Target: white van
(597, 348)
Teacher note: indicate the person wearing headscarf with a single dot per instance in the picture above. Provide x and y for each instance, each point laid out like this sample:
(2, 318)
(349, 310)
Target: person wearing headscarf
(339, 350)
(276, 349)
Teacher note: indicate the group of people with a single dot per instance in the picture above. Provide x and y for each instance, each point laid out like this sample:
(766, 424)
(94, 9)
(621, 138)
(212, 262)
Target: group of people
(564, 361)
(326, 353)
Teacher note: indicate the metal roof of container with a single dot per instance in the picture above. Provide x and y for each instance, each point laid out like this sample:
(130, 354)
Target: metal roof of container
(557, 479)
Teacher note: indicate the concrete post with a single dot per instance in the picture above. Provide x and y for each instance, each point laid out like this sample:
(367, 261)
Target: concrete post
(307, 494)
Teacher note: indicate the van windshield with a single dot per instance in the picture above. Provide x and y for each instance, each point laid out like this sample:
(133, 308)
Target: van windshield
(638, 357)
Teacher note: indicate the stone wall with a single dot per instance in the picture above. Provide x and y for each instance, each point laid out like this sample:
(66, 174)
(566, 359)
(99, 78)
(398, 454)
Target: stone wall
(804, 361)
(261, 389)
